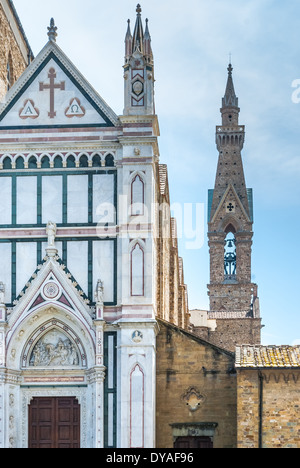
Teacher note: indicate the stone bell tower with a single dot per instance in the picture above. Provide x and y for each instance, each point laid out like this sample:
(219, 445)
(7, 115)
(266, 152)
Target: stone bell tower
(233, 297)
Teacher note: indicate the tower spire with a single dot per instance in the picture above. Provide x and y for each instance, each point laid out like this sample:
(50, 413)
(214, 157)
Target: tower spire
(230, 103)
(230, 99)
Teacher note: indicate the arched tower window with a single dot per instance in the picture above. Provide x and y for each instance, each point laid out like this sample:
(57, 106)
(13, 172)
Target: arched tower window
(230, 257)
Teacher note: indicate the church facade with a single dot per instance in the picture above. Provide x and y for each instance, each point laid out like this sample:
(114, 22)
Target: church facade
(80, 249)
(98, 348)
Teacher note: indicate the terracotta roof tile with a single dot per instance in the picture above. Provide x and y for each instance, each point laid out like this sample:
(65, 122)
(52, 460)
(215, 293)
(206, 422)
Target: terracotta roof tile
(267, 356)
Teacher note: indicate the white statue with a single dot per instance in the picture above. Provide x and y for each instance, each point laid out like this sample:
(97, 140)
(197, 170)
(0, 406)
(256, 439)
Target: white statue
(51, 233)
(99, 293)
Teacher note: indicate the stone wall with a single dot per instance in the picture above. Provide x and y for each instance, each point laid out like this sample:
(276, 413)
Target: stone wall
(172, 298)
(269, 419)
(10, 54)
(234, 332)
(196, 389)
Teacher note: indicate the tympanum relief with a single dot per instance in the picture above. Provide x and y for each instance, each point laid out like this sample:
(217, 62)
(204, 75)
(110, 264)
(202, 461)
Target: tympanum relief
(54, 350)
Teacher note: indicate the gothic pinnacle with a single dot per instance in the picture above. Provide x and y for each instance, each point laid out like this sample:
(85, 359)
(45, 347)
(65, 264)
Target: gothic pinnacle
(52, 31)
(138, 34)
(230, 99)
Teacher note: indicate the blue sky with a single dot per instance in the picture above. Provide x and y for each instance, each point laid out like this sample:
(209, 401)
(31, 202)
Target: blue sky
(191, 44)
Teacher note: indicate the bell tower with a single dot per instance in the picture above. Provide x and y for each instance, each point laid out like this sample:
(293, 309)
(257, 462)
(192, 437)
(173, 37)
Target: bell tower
(233, 296)
(138, 70)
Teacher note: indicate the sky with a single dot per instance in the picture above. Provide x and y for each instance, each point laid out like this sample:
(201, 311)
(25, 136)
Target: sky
(191, 45)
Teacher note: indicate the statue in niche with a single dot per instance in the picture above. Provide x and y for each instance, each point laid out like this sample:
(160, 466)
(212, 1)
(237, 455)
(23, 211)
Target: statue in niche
(99, 293)
(99, 297)
(51, 233)
(54, 350)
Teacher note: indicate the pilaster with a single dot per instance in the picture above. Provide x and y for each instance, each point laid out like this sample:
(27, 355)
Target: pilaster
(136, 384)
(96, 376)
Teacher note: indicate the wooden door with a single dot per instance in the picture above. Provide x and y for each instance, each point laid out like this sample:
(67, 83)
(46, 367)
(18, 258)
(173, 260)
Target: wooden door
(193, 442)
(54, 423)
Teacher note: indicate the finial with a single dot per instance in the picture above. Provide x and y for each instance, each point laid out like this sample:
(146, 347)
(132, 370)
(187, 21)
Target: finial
(128, 29)
(52, 34)
(230, 69)
(138, 9)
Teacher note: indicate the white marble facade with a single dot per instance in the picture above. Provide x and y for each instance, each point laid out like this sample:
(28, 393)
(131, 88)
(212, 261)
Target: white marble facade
(57, 337)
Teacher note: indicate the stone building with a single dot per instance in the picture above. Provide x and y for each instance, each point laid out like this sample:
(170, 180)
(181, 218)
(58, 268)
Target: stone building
(268, 396)
(196, 392)
(15, 51)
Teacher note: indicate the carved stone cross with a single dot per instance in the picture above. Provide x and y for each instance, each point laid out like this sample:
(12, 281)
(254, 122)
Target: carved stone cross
(52, 87)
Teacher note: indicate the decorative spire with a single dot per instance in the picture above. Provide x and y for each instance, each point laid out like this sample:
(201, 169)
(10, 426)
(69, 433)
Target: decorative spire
(230, 99)
(147, 43)
(147, 34)
(52, 34)
(138, 34)
(128, 41)
(128, 34)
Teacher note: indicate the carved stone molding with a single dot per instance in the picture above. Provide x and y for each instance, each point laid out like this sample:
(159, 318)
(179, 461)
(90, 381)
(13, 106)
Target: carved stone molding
(10, 376)
(193, 398)
(96, 374)
(77, 392)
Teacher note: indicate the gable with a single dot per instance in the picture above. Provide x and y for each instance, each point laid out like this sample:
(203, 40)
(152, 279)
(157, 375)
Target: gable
(230, 203)
(51, 283)
(173, 336)
(52, 93)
